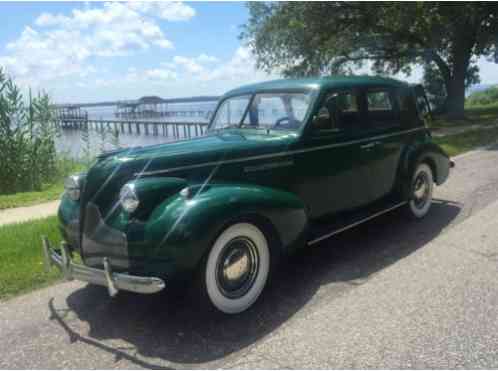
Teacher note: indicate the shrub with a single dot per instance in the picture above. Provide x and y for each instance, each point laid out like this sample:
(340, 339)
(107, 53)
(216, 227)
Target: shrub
(484, 97)
(27, 139)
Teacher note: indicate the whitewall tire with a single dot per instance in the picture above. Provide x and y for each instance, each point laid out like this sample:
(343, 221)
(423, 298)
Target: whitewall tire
(422, 188)
(237, 268)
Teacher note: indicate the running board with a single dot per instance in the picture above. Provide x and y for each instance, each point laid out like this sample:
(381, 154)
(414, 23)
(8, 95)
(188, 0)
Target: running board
(321, 231)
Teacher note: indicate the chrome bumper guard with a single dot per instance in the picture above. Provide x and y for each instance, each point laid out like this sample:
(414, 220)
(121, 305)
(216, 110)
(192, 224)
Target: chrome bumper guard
(104, 277)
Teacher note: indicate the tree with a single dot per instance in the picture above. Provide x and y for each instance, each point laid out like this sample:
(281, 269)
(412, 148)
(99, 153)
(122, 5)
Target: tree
(435, 87)
(317, 38)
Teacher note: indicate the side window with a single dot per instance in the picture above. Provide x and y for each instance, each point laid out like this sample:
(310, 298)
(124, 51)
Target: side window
(379, 101)
(231, 112)
(381, 109)
(270, 109)
(406, 104)
(342, 107)
(348, 114)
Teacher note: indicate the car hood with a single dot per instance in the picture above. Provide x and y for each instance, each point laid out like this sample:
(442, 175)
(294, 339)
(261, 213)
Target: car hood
(215, 147)
(182, 158)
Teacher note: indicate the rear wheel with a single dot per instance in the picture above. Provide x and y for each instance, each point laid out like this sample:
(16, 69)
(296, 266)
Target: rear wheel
(237, 268)
(422, 187)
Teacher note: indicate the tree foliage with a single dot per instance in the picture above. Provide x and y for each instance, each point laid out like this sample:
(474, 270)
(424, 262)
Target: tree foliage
(320, 38)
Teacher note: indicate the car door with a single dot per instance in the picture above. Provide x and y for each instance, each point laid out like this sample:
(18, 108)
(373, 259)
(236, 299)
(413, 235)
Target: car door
(330, 163)
(386, 132)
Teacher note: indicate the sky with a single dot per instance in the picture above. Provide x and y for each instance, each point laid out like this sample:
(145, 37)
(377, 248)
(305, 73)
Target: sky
(95, 51)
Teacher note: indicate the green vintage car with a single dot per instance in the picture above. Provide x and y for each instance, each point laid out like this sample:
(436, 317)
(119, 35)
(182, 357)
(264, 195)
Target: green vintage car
(284, 165)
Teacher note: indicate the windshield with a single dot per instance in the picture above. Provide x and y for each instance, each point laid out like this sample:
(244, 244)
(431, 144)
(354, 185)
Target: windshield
(267, 110)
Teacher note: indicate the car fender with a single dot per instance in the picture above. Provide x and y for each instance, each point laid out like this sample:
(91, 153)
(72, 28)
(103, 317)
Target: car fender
(427, 152)
(184, 227)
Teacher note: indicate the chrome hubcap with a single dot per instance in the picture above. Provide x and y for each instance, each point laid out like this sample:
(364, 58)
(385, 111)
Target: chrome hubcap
(237, 267)
(421, 190)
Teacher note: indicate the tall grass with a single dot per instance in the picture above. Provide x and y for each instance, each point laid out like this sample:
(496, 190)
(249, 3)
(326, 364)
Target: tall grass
(21, 257)
(28, 157)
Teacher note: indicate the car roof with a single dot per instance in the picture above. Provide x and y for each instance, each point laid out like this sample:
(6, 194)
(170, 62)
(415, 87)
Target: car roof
(317, 83)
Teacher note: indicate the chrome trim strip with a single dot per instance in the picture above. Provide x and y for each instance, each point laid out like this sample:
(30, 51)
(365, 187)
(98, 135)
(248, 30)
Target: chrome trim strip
(279, 154)
(337, 231)
(268, 166)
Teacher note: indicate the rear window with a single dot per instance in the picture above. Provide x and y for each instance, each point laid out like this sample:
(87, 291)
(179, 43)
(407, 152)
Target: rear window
(379, 101)
(381, 110)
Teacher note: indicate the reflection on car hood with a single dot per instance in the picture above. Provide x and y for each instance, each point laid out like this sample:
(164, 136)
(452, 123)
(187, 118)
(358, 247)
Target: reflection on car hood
(180, 159)
(215, 147)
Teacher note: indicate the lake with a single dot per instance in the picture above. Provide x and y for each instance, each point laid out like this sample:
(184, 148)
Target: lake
(70, 142)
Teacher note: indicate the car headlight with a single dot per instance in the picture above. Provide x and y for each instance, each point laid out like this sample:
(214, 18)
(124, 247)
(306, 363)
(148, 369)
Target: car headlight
(72, 186)
(186, 193)
(128, 198)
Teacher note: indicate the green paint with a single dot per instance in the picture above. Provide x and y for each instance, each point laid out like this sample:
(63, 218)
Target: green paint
(283, 180)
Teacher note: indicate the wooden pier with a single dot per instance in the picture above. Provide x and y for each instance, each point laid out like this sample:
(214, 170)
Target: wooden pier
(176, 130)
(145, 108)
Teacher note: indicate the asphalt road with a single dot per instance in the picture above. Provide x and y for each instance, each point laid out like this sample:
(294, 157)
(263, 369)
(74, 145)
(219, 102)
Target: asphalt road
(391, 293)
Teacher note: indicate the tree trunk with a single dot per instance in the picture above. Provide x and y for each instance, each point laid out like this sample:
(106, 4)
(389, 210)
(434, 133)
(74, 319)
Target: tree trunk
(454, 75)
(455, 100)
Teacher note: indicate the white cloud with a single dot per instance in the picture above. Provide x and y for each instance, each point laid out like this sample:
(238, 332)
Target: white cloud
(48, 19)
(36, 57)
(204, 74)
(488, 71)
(167, 10)
(165, 44)
(174, 11)
(240, 67)
(207, 68)
(189, 64)
(160, 74)
(61, 45)
(204, 58)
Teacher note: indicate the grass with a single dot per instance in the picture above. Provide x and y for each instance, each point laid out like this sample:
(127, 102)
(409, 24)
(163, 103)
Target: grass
(21, 257)
(468, 140)
(482, 115)
(48, 192)
(486, 116)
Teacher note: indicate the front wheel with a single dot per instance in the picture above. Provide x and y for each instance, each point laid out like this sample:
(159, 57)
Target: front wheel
(422, 187)
(237, 268)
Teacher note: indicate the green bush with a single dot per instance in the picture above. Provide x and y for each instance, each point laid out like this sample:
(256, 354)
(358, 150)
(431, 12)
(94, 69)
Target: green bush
(483, 98)
(28, 156)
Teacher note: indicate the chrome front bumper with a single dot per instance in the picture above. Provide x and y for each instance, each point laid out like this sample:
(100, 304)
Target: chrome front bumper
(104, 277)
